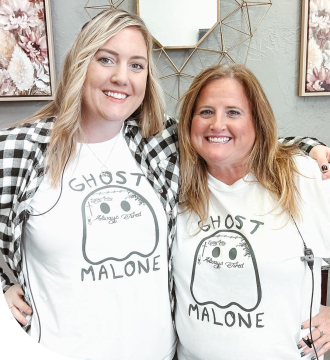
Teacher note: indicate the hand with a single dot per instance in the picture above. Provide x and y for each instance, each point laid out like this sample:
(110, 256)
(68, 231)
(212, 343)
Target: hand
(321, 322)
(322, 155)
(16, 304)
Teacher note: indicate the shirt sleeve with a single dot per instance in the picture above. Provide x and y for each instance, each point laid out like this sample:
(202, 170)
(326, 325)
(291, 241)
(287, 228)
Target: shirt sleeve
(8, 188)
(305, 144)
(5, 281)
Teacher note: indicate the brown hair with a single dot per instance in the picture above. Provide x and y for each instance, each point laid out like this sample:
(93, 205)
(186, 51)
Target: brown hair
(271, 162)
(68, 98)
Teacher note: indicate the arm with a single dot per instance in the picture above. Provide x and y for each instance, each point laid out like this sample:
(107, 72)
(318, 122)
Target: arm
(8, 248)
(315, 149)
(306, 144)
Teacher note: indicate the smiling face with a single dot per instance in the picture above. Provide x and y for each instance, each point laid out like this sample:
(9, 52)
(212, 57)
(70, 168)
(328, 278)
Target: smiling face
(116, 80)
(222, 130)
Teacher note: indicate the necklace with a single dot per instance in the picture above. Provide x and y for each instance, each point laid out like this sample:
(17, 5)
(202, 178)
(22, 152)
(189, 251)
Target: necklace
(104, 168)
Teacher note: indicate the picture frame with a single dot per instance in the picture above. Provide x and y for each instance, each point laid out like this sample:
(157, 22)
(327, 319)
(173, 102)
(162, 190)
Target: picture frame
(27, 69)
(315, 49)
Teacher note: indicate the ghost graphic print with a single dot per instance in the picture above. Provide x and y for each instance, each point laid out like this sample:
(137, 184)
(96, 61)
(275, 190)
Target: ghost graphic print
(110, 216)
(223, 263)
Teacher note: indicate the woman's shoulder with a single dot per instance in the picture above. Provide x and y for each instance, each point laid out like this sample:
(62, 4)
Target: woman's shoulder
(35, 131)
(307, 166)
(171, 126)
(167, 139)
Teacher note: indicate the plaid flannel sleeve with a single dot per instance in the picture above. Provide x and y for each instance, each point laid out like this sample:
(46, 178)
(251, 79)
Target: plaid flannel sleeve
(306, 144)
(5, 281)
(10, 168)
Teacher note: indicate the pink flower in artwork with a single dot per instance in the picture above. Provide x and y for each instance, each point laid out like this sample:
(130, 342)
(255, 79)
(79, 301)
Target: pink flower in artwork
(35, 47)
(7, 86)
(36, 1)
(323, 35)
(319, 80)
(41, 14)
(18, 14)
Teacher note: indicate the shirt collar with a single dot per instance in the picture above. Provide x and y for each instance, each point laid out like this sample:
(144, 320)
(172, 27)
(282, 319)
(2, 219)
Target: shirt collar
(41, 130)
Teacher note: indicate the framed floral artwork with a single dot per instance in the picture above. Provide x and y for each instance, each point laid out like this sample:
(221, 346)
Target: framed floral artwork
(315, 48)
(26, 51)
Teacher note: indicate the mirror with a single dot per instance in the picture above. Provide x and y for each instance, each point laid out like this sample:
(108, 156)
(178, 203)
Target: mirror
(178, 24)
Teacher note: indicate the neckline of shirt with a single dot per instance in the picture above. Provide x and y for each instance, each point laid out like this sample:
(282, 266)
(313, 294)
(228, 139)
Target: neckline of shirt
(238, 185)
(102, 143)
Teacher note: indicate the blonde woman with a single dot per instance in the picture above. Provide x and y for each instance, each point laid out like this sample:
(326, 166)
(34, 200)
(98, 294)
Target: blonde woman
(250, 207)
(88, 202)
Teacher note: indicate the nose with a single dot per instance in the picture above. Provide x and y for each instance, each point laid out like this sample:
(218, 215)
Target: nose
(218, 123)
(120, 75)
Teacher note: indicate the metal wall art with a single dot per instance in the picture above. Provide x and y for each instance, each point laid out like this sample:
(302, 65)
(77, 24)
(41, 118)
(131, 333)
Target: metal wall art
(227, 39)
(93, 7)
(223, 33)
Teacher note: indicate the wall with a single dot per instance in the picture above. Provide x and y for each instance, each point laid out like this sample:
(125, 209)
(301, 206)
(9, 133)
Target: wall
(273, 58)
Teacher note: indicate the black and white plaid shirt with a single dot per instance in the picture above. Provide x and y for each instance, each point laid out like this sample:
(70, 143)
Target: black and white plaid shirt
(22, 161)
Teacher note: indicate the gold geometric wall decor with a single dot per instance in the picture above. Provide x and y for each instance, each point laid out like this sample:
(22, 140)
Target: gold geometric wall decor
(113, 4)
(229, 40)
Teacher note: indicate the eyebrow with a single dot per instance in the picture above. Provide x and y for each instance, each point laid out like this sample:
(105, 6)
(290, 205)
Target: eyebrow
(116, 54)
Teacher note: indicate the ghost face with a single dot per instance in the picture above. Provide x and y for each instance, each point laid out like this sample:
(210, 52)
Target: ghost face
(112, 217)
(224, 267)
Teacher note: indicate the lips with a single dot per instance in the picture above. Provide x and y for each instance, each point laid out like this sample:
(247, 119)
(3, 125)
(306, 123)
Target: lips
(222, 139)
(115, 95)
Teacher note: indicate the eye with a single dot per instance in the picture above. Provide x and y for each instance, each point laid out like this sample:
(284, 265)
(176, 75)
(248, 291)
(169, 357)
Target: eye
(105, 208)
(137, 66)
(216, 252)
(233, 112)
(125, 205)
(206, 112)
(106, 61)
(232, 254)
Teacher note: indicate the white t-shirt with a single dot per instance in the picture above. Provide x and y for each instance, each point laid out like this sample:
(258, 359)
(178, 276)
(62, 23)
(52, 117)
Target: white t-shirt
(242, 290)
(97, 263)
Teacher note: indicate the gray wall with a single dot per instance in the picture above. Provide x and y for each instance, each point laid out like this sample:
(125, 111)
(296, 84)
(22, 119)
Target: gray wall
(274, 58)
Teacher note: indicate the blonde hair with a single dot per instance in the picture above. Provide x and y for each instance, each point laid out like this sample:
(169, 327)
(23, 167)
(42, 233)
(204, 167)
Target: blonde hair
(272, 163)
(67, 105)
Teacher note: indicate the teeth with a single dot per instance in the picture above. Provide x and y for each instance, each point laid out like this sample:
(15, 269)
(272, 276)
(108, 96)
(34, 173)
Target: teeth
(218, 139)
(115, 95)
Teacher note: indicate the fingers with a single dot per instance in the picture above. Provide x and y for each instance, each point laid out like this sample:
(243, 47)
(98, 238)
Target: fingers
(323, 349)
(326, 175)
(320, 342)
(316, 321)
(321, 322)
(322, 155)
(18, 316)
(14, 298)
(22, 306)
(302, 345)
(324, 167)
